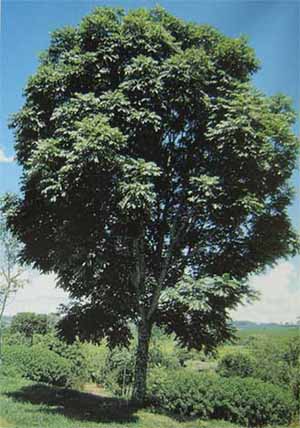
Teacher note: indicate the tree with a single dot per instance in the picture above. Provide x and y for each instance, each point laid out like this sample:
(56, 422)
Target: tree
(10, 270)
(30, 323)
(155, 177)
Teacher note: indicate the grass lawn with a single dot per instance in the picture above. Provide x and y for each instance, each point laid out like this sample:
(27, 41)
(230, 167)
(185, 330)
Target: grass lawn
(24, 404)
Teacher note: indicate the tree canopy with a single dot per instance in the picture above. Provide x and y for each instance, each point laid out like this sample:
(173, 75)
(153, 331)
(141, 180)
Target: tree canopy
(30, 323)
(155, 176)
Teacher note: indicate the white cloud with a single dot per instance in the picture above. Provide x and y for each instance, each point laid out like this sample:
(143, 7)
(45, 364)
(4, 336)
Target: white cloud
(280, 296)
(4, 158)
(38, 295)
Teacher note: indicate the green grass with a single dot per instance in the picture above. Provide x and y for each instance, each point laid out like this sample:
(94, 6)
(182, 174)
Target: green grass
(25, 404)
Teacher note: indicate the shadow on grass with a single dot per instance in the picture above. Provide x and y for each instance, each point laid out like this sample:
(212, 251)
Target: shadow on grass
(77, 405)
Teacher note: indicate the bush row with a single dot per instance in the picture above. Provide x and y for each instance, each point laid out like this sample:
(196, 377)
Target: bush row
(245, 401)
(38, 364)
(280, 368)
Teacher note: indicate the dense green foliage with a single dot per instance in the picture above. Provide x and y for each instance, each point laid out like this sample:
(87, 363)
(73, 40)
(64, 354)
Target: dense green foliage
(39, 364)
(30, 323)
(74, 354)
(236, 364)
(14, 338)
(281, 359)
(272, 355)
(248, 402)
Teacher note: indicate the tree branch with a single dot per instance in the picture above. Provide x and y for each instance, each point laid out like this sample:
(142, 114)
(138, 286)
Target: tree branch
(174, 239)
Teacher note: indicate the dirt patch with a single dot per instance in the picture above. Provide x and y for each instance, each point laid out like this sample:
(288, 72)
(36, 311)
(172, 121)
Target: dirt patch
(93, 388)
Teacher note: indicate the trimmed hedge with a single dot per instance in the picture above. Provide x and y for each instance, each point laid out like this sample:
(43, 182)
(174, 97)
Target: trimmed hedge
(38, 364)
(253, 402)
(245, 401)
(181, 392)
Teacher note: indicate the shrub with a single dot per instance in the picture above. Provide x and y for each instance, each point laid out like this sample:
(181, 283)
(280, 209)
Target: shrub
(10, 371)
(73, 353)
(159, 357)
(15, 339)
(119, 370)
(95, 357)
(181, 392)
(270, 365)
(39, 364)
(294, 382)
(278, 363)
(252, 402)
(291, 354)
(272, 371)
(236, 364)
(246, 401)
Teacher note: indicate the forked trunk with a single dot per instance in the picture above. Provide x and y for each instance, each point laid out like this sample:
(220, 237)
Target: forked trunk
(141, 363)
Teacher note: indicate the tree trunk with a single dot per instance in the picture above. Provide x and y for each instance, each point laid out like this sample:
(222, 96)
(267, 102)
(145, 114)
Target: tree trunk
(141, 363)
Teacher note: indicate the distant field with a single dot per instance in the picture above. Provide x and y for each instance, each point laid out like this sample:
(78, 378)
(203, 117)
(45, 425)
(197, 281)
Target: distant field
(270, 331)
(277, 334)
(246, 337)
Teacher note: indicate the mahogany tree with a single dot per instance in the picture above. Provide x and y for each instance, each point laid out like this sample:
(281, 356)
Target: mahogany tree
(155, 177)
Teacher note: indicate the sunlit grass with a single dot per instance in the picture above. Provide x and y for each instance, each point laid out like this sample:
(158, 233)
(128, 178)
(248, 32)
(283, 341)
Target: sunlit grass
(24, 404)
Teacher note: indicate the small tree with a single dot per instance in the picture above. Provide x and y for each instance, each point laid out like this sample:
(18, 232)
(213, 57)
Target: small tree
(155, 177)
(29, 323)
(10, 270)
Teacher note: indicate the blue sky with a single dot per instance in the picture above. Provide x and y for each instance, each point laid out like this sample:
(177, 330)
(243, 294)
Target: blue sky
(272, 27)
